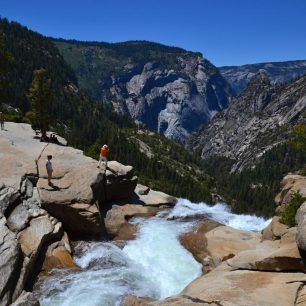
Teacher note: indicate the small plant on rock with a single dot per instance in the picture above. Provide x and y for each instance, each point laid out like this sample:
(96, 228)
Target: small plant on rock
(288, 216)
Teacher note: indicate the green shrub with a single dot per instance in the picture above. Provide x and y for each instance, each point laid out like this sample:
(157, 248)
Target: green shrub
(288, 216)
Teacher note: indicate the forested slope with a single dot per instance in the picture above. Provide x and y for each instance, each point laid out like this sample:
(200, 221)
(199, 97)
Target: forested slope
(87, 124)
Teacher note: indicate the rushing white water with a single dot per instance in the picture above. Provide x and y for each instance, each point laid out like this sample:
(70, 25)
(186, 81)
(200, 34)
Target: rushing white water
(154, 265)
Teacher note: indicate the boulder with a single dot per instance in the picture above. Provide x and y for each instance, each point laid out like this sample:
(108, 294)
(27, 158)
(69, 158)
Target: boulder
(274, 230)
(301, 236)
(8, 196)
(58, 255)
(196, 243)
(300, 219)
(39, 232)
(116, 220)
(224, 242)
(120, 181)
(301, 213)
(80, 188)
(281, 255)
(150, 197)
(9, 262)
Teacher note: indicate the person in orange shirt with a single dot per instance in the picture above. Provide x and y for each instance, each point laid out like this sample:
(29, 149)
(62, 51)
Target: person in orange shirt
(103, 155)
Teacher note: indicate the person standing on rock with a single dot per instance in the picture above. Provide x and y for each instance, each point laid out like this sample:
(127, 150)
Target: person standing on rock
(2, 120)
(49, 169)
(103, 155)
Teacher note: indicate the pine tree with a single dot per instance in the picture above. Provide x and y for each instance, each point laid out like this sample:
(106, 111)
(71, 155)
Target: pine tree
(40, 96)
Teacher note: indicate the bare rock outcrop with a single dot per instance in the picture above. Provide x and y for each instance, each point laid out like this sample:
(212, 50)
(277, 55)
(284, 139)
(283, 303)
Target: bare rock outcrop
(247, 288)
(279, 255)
(80, 189)
(34, 216)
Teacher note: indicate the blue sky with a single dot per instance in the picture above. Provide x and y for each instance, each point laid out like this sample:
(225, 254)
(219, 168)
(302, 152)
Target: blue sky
(227, 32)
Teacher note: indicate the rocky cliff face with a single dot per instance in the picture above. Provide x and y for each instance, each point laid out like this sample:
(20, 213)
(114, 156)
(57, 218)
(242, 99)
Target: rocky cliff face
(173, 102)
(254, 122)
(278, 72)
(166, 89)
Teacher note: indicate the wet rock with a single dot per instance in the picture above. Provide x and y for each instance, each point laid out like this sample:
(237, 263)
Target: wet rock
(116, 219)
(196, 243)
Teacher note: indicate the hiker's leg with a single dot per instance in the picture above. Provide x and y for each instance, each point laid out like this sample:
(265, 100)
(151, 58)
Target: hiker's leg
(100, 159)
(49, 177)
(105, 162)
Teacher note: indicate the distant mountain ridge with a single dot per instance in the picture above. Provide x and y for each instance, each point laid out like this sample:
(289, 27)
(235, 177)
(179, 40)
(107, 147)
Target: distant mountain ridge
(260, 118)
(165, 89)
(278, 72)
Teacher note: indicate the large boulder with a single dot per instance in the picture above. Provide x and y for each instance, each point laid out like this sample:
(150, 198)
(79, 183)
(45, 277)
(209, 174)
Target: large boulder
(245, 288)
(196, 243)
(279, 255)
(116, 220)
(301, 213)
(300, 219)
(274, 230)
(77, 189)
(224, 242)
(58, 255)
(80, 189)
(150, 197)
(120, 181)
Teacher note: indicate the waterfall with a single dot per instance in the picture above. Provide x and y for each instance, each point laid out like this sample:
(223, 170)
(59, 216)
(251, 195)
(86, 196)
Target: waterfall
(153, 265)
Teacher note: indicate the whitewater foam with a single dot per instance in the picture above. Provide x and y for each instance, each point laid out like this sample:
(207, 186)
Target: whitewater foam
(154, 264)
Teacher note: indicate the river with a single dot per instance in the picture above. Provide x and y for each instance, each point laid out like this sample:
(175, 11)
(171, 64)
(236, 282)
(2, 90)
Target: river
(153, 265)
